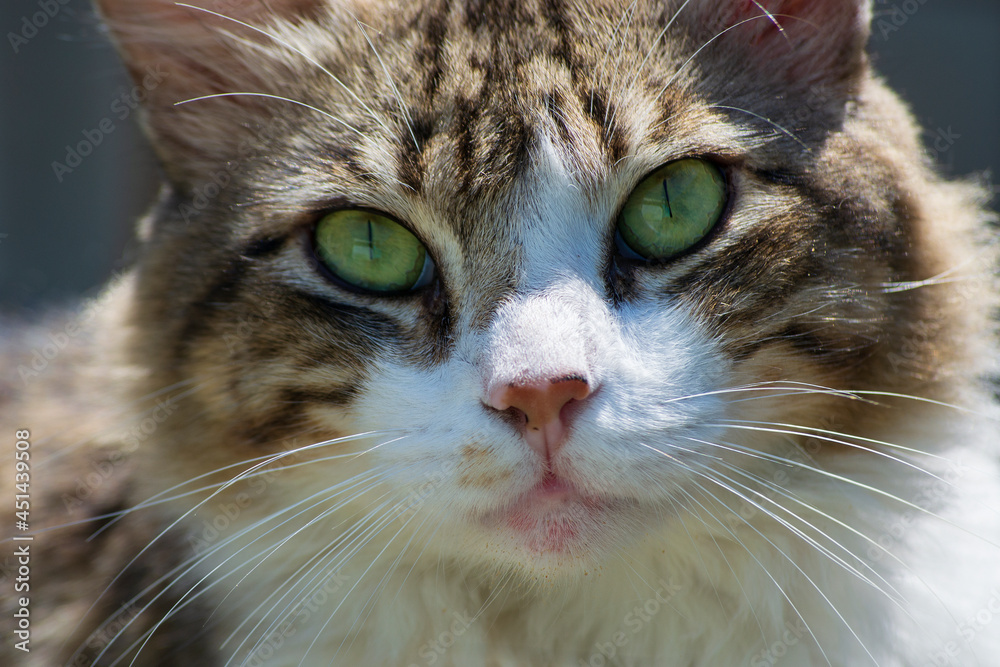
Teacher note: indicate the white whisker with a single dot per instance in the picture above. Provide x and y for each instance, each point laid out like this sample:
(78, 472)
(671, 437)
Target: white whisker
(851, 482)
(753, 556)
(353, 540)
(722, 554)
(896, 597)
(189, 565)
(626, 15)
(656, 42)
(826, 436)
(257, 470)
(709, 475)
(788, 133)
(243, 475)
(304, 55)
(392, 84)
(274, 97)
(374, 560)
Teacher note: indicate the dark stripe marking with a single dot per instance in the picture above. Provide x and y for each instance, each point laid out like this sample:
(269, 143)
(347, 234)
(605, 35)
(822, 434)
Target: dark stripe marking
(554, 104)
(263, 247)
(601, 111)
(200, 313)
(411, 167)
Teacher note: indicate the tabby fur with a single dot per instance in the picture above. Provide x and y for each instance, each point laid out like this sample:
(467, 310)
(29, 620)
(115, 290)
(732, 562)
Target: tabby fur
(796, 449)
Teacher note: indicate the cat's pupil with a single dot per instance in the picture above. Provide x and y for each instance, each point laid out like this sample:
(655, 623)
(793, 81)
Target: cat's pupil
(371, 244)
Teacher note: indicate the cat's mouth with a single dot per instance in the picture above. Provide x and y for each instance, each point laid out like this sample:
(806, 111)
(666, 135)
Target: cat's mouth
(553, 517)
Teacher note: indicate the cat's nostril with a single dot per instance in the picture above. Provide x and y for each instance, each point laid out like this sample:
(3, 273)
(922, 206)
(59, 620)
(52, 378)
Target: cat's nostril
(543, 404)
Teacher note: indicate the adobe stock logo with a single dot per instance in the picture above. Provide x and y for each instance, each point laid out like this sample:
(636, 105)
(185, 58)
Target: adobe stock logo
(122, 107)
(31, 25)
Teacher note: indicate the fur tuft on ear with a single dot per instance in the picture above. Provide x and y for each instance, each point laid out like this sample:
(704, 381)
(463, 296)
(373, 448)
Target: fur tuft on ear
(795, 41)
(184, 49)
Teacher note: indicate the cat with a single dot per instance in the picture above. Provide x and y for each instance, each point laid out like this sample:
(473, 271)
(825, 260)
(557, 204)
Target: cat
(517, 332)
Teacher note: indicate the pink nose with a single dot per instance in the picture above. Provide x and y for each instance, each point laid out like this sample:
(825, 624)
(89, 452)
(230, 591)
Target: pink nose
(544, 406)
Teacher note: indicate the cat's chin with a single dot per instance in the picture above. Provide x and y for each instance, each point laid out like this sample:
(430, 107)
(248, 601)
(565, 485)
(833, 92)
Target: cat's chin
(555, 523)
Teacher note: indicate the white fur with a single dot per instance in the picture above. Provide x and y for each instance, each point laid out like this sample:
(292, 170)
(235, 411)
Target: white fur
(714, 593)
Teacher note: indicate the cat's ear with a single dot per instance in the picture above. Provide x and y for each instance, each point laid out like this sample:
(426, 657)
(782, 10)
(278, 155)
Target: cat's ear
(793, 41)
(178, 50)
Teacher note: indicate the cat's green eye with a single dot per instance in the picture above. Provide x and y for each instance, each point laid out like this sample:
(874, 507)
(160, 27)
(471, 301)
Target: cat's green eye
(371, 252)
(672, 209)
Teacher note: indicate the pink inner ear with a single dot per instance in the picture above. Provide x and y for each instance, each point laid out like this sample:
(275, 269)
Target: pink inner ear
(760, 27)
(745, 9)
(814, 35)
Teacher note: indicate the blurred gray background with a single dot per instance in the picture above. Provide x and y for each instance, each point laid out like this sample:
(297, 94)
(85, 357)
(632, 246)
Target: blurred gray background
(59, 78)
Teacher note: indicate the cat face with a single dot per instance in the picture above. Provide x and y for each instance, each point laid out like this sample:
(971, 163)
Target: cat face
(544, 379)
